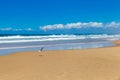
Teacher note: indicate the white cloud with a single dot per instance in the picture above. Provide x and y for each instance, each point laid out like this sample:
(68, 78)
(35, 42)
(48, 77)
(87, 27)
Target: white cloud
(25, 29)
(16, 29)
(71, 25)
(29, 29)
(95, 24)
(52, 27)
(5, 29)
(113, 24)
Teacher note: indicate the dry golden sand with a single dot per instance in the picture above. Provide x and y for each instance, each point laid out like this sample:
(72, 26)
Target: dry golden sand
(86, 64)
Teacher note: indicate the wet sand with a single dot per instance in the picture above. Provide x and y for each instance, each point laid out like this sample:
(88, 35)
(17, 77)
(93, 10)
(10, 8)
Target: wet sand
(85, 64)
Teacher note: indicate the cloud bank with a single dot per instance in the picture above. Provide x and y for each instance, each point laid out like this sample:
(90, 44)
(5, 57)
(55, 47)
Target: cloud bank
(77, 25)
(80, 25)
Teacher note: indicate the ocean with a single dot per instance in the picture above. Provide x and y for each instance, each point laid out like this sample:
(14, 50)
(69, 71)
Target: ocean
(16, 43)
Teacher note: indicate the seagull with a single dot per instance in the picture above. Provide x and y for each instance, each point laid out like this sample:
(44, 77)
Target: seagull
(41, 49)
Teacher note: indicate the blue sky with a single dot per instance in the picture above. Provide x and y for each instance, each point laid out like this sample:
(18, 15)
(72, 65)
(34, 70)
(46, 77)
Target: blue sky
(32, 16)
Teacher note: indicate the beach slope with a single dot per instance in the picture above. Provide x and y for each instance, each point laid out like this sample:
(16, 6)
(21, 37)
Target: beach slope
(86, 64)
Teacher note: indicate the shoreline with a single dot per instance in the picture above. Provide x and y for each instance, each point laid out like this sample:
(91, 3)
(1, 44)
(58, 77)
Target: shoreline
(84, 64)
(117, 44)
(46, 45)
(49, 47)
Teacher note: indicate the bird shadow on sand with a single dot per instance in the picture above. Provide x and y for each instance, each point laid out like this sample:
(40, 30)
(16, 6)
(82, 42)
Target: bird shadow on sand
(40, 55)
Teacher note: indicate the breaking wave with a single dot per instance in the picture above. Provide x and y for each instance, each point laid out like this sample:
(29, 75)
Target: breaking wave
(21, 38)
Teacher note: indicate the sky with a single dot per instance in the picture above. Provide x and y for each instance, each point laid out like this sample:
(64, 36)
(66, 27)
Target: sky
(59, 16)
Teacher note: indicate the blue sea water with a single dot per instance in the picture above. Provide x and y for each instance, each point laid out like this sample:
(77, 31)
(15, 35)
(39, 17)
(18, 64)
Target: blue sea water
(16, 43)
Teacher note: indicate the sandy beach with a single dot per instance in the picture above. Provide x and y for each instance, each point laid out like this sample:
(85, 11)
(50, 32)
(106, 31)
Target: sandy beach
(85, 64)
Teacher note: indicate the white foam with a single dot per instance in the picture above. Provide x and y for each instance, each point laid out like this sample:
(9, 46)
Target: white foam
(18, 38)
